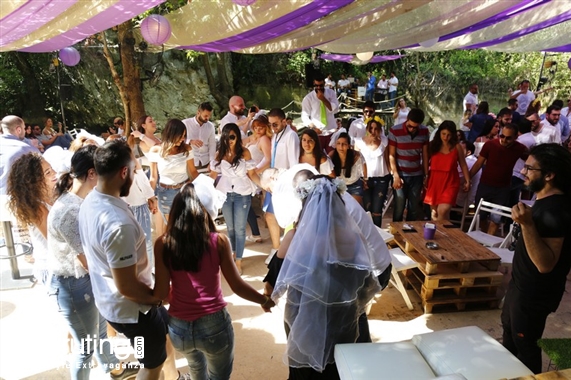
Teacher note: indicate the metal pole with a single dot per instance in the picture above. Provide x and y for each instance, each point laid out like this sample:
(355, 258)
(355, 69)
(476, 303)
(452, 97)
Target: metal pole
(541, 71)
(9, 241)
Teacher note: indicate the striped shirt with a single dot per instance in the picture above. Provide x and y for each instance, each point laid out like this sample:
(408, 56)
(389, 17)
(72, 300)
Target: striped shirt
(408, 149)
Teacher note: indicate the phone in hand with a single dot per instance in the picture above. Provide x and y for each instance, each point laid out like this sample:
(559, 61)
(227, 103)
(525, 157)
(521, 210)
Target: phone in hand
(253, 109)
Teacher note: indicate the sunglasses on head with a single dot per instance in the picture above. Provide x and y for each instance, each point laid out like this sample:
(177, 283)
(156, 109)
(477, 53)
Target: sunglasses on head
(232, 137)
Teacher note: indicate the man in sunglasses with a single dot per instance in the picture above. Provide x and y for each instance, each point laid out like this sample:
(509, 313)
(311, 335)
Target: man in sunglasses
(318, 108)
(499, 156)
(358, 127)
(542, 257)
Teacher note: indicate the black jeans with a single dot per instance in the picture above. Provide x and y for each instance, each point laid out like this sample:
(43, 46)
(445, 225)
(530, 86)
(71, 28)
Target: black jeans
(523, 323)
(375, 196)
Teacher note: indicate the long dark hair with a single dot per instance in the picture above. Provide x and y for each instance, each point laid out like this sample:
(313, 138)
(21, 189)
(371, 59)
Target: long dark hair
(436, 144)
(187, 236)
(225, 144)
(349, 160)
(81, 162)
(140, 121)
(483, 107)
(173, 131)
(317, 153)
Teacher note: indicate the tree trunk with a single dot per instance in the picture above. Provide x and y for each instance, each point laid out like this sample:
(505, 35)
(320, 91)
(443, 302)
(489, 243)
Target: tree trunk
(131, 74)
(212, 84)
(226, 87)
(35, 100)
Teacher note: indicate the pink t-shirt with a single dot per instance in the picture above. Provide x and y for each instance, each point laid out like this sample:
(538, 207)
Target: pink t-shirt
(196, 294)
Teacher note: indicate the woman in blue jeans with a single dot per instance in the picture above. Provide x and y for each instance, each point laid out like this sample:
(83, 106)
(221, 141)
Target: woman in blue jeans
(237, 173)
(189, 258)
(70, 285)
(373, 147)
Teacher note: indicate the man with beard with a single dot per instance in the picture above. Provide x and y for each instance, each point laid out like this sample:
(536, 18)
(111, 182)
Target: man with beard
(236, 107)
(542, 256)
(499, 157)
(115, 247)
(200, 136)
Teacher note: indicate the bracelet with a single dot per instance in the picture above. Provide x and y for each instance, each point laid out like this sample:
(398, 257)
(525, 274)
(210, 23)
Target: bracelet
(268, 299)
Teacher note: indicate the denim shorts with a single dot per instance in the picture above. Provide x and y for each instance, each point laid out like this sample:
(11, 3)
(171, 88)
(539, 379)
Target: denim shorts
(166, 196)
(356, 188)
(153, 328)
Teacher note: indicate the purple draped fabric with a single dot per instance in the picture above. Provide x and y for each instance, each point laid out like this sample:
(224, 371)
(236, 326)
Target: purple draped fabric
(560, 49)
(275, 28)
(118, 13)
(349, 57)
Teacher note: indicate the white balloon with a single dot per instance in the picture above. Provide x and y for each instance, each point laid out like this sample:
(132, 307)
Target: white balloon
(366, 56)
(429, 43)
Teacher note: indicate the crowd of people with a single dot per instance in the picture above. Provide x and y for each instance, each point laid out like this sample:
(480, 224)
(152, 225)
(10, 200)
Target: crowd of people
(90, 218)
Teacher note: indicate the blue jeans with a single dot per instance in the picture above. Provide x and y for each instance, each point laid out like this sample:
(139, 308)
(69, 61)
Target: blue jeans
(166, 197)
(143, 216)
(370, 94)
(235, 211)
(75, 301)
(207, 344)
(392, 96)
(409, 195)
(375, 197)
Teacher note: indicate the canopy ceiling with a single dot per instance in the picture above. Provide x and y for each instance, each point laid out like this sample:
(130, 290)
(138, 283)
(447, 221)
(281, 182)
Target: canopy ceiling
(271, 26)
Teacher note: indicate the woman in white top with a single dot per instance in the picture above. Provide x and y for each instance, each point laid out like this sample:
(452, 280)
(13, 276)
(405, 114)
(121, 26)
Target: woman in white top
(146, 128)
(172, 164)
(260, 148)
(310, 153)
(349, 165)
(374, 149)
(401, 112)
(237, 169)
(31, 184)
(70, 284)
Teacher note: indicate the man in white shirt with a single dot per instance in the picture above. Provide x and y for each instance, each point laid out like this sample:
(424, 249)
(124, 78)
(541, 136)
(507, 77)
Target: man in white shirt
(543, 132)
(285, 154)
(235, 115)
(471, 99)
(554, 119)
(318, 108)
(383, 87)
(114, 245)
(393, 85)
(200, 135)
(524, 97)
(329, 83)
(12, 147)
(343, 85)
(358, 128)
(119, 124)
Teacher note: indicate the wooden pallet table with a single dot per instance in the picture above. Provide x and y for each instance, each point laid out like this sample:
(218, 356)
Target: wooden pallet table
(458, 273)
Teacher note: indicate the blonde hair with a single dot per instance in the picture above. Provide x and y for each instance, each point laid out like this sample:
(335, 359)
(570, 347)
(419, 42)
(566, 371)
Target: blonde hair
(263, 120)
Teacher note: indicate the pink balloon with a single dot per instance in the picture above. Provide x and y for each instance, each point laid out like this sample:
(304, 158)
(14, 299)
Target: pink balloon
(156, 29)
(69, 56)
(244, 3)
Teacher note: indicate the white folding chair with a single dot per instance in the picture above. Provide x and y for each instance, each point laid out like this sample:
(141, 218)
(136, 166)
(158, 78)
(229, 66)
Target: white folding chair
(388, 201)
(401, 262)
(502, 250)
(480, 236)
(73, 133)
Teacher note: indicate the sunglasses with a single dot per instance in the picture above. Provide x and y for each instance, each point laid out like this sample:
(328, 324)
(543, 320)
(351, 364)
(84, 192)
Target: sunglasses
(274, 125)
(502, 136)
(232, 137)
(319, 86)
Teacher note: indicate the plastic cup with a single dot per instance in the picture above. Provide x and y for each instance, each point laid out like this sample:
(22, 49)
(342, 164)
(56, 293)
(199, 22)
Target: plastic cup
(429, 231)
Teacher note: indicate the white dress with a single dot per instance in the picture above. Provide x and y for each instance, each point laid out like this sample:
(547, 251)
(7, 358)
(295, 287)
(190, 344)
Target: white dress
(401, 118)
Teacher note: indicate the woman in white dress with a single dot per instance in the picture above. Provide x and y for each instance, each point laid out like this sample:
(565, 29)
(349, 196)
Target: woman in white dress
(401, 112)
(310, 153)
(350, 166)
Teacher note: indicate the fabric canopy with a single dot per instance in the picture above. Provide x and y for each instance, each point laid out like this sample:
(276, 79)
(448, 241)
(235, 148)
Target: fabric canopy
(271, 26)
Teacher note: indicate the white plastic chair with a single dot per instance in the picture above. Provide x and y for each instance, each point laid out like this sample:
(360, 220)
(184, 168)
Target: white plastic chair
(401, 262)
(481, 237)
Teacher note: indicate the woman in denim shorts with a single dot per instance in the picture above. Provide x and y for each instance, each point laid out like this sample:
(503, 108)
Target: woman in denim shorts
(350, 166)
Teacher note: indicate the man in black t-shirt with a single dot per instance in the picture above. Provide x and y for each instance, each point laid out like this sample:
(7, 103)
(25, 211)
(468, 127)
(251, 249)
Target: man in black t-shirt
(542, 257)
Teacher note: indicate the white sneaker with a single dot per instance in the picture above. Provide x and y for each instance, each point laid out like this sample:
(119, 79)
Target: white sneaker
(270, 256)
(254, 238)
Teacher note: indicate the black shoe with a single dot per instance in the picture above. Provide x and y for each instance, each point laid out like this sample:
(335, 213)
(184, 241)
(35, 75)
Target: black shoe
(129, 372)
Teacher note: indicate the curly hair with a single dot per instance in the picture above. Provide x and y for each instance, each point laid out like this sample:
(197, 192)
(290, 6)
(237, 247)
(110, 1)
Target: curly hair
(27, 189)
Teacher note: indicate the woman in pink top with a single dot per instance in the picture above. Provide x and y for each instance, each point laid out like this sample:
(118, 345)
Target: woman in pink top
(188, 261)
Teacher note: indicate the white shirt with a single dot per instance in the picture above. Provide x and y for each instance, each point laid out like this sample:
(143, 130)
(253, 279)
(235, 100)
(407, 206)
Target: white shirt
(384, 84)
(140, 190)
(112, 238)
(356, 170)
(285, 149)
(524, 100)
(375, 159)
(357, 129)
(172, 168)
(403, 114)
(471, 100)
(231, 118)
(311, 110)
(548, 134)
(528, 140)
(329, 83)
(565, 112)
(393, 83)
(377, 245)
(234, 179)
(471, 194)
(204, 133)
(343, 84)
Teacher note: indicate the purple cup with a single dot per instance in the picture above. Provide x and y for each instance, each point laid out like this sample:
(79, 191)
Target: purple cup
(429, 231)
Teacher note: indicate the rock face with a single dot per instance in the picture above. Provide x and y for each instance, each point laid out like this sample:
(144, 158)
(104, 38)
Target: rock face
(172, 87)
